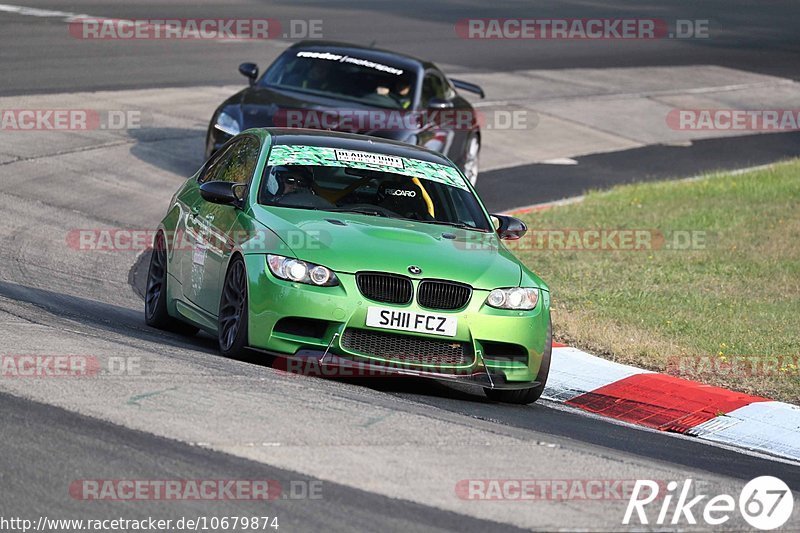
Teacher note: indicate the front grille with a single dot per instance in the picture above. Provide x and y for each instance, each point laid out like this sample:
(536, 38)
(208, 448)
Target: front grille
(405, 348)
(388, 288)
(435, 294)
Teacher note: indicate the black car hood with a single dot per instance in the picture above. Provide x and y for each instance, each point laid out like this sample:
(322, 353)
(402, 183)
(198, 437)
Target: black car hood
(262, 107)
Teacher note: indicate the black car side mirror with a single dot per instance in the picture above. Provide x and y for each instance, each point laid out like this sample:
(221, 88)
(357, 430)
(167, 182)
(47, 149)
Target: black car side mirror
(510, 228)
(471, 87)
(439, 103)
(249, 71)
(221, 192)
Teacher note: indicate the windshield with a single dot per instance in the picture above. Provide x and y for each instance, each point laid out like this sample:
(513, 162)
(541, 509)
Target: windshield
(370, 184)
(345, 77)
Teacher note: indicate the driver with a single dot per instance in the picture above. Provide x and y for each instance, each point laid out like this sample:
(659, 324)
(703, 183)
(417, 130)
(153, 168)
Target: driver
(403, 93)
(317, 77)
(293, 180)
(295, 187)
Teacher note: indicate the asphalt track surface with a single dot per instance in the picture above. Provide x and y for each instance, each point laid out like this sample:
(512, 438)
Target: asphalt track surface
(524, 185)
(388, 453)
(745, 35)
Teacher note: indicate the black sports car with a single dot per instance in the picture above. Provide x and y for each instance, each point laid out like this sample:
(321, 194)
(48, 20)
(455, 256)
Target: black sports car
(357, 89)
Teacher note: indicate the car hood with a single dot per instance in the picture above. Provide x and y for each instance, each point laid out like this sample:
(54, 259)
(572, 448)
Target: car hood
(261, 107)
(346, 242)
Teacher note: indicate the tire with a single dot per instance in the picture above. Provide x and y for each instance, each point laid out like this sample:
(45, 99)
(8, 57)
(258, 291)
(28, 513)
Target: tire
(155, 295)
(470, 166)
(232, 330)
(527, 396)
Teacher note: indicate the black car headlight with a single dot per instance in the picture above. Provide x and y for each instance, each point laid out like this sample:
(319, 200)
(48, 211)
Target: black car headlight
(292, 269)
(227, 124)
(518, 298)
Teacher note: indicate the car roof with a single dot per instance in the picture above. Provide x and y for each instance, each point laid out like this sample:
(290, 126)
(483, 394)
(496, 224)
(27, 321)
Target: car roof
(394, 59)
(352, 141)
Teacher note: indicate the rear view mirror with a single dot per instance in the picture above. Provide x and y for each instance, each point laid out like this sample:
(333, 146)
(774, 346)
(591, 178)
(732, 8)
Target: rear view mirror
(249, 71)
(510, 228)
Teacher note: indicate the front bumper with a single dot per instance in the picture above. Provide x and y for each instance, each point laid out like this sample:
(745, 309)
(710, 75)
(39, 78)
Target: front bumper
(481, 329)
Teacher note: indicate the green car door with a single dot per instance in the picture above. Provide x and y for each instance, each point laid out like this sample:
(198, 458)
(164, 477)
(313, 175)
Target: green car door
(212, 225)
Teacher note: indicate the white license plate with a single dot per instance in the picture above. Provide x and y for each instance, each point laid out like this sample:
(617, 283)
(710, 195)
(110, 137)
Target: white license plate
(382, 317)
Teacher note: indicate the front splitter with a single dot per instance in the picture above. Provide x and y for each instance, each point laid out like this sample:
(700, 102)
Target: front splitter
(318, 363)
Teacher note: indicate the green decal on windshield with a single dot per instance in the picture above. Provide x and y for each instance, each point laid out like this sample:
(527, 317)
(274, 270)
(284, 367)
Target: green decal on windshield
(335, 157)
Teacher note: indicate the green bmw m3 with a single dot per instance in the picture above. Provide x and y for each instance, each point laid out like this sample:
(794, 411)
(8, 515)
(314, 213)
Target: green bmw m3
(367, 256)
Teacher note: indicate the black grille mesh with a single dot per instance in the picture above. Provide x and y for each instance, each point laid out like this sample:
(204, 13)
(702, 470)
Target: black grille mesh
(406, 348)
(386, 288)
(435, 294)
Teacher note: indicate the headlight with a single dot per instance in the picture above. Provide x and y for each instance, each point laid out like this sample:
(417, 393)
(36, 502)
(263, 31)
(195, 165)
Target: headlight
(514, 298)
(227, 124)
(292, 269)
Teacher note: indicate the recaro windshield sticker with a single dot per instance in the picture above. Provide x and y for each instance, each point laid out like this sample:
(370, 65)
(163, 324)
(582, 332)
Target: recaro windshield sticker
(330, 157)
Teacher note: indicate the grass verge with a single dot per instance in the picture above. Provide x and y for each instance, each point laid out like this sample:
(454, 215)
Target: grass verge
(707, 286)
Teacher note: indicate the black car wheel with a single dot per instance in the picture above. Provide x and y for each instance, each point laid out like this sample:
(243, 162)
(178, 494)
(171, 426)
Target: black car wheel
(526, 396)
(233, 311)
(155, 296)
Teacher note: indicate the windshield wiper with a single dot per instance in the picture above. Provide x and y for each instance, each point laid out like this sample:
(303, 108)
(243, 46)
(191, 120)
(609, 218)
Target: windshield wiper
(359, 210)
(459, 225)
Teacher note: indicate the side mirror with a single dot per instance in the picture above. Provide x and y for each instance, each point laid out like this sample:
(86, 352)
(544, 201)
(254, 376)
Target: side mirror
(249, 71)
(471, 87)
(222, 192)
(510, 228)
(439, 103)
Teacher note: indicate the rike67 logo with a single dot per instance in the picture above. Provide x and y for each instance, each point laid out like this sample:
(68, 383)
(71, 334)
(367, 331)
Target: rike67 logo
(765, 503)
